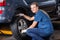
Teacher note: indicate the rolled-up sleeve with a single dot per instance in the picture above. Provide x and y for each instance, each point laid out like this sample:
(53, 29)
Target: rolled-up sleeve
(38, 17)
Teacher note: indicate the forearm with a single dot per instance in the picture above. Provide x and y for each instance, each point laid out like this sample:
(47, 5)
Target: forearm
(33, 25)
(27, 17)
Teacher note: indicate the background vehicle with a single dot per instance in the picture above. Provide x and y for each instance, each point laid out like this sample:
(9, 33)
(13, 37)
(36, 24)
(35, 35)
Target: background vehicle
(10, 8)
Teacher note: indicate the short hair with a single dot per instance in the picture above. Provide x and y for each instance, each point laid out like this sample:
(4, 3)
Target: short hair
(34, 3)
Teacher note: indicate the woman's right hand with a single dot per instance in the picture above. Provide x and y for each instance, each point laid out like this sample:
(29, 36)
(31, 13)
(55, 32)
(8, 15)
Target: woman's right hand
(21, 14)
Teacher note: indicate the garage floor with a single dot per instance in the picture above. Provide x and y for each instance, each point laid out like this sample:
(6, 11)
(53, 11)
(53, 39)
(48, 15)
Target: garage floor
(2, 37)
(55, 36)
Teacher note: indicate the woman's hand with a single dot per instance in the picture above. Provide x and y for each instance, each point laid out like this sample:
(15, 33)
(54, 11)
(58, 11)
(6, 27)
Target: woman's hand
(23, 31)
(21, 14)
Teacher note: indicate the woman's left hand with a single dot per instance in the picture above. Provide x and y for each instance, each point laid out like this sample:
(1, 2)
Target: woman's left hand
(23, 31)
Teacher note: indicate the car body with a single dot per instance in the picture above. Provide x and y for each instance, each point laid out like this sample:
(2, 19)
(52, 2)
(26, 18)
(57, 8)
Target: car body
(8, 8)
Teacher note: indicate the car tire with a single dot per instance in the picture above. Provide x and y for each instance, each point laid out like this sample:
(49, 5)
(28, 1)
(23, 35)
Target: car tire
(16, 28)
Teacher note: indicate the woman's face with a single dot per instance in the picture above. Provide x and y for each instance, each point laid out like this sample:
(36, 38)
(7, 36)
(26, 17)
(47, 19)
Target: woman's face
(34, 8)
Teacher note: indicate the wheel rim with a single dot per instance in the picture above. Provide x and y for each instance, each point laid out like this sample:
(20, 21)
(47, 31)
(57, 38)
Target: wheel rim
(21, 25)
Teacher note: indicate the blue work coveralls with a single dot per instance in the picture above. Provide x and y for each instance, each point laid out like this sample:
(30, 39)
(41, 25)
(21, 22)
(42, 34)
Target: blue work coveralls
(44, 27)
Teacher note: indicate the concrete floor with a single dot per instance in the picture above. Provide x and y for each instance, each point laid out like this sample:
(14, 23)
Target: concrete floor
(55, 36)
(7, 38)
